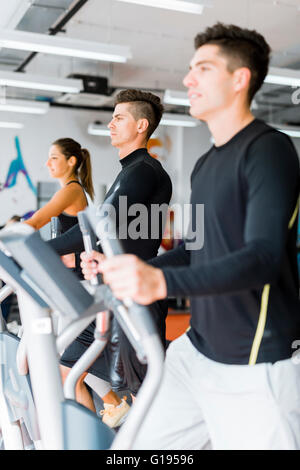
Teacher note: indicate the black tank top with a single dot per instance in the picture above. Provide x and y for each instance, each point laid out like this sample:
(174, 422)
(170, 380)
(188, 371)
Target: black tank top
(68, 221)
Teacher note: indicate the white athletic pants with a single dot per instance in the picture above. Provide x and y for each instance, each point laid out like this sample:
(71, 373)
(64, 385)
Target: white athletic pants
(204, 404)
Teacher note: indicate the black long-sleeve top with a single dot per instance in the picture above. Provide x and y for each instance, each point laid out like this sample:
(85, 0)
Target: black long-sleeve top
(249, 187)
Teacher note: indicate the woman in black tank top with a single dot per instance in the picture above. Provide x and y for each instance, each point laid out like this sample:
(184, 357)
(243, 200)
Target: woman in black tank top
(71, 166)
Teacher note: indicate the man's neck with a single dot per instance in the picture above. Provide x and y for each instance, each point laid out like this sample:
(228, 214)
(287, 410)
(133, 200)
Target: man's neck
(227, 123)
(129, 148)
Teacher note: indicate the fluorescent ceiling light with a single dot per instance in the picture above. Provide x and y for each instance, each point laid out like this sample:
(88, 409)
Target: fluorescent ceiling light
(24, 106)
(290, 131)
(38, 82)
(11, 125)
(23, 40)
(98, 129)
(282, 76)
(186, 6)
(176, 97)
(180, 120)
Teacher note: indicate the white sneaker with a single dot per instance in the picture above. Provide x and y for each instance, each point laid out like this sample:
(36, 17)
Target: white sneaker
(13, 327)
(113, 416)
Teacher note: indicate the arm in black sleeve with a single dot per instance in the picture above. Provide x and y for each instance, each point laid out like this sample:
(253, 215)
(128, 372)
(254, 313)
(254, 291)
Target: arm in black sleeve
(179, 256)
(272, 175)
(68, 242)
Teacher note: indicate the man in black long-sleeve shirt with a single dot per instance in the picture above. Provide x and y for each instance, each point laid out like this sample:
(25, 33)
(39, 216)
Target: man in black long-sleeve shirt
(141, 183)
(230, 382)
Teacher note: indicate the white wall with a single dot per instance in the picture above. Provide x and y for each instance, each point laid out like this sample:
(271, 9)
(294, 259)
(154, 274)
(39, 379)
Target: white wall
(196, 142)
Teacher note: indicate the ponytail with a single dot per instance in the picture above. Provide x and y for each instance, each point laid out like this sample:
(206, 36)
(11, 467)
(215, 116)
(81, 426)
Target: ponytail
(85, 173)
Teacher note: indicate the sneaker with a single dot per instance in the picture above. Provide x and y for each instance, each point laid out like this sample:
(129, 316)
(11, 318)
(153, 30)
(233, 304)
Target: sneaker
(13, 327)
(113, 416)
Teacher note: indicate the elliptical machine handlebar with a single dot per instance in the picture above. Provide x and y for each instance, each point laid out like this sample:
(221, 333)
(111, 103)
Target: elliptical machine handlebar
(104, 293)
(89, 240)
(55, 227)
(147, 343)
(106, 231)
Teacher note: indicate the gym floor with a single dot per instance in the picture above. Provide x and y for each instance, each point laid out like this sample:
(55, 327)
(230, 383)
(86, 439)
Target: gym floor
(176, 323)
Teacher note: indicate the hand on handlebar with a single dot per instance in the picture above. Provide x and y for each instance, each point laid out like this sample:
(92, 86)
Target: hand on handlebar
(90, 263)
(129, 277)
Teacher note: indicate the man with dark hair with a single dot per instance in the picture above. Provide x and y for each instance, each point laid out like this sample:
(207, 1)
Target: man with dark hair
(142, 181)
(232, 381)
(143, 105)
(242, 48)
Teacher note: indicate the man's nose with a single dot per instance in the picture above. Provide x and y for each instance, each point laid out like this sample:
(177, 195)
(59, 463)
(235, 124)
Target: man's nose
(189, 79)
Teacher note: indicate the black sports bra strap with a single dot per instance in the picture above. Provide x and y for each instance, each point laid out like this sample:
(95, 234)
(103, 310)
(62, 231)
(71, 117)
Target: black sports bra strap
(74, 181)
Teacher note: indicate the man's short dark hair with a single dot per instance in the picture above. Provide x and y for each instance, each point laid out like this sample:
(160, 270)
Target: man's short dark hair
(143, 105)
(243, 48)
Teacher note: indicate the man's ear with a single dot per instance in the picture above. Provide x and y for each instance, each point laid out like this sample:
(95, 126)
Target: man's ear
(143, 125)
(242, 77)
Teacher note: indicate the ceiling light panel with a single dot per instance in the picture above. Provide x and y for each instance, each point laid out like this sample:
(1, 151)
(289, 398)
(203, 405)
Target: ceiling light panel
(98, 129)
(186, 6)
(22, 40)
(176, 97)
(180, 120)
(36, 82)
(11, 125)
(24, 106)
(291, 132)
(283, 76)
